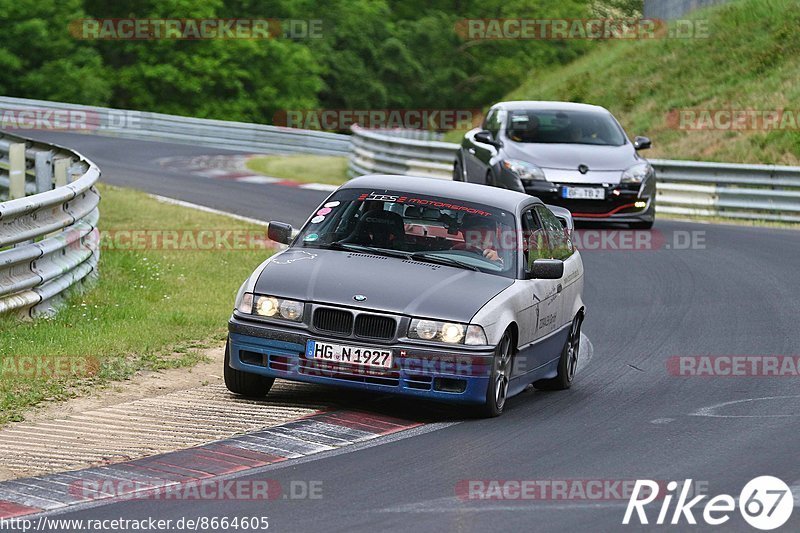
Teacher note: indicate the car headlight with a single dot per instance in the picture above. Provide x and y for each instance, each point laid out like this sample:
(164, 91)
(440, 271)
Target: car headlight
(637, 173)
(447, 332)
(271, 307)
(524, 170)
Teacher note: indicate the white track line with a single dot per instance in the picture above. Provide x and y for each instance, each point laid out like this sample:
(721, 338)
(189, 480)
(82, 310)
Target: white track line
(709, 411)
(181, 203)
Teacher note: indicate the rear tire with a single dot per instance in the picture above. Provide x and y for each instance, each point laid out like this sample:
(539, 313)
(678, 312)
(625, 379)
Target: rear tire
(497, 391)
(568, 363)
(244, 383)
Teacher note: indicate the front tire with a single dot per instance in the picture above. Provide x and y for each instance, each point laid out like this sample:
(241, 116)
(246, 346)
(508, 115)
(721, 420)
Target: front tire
(244, 383)
(497, 391)
(568, 363)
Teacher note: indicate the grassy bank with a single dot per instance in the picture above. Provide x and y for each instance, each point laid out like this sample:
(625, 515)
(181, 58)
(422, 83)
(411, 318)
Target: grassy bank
(161, 295)
(303, 168)
(750, 61)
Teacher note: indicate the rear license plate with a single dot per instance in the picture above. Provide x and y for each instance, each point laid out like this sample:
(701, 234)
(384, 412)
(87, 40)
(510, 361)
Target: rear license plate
(356, 355)
(583, 193)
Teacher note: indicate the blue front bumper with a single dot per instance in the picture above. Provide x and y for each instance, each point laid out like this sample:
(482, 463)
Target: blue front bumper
(454, 375)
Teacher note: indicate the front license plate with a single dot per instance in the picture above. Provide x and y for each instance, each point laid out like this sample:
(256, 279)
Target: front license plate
(583, 193)
(356, 355)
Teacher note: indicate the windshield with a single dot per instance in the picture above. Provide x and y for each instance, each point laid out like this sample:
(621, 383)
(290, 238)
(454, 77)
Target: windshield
(565, 127)
(443, 231)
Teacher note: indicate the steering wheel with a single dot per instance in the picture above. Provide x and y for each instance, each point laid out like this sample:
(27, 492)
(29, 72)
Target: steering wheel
(468, 247)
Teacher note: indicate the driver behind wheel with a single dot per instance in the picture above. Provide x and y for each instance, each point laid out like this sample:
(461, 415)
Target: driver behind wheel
(480, 234)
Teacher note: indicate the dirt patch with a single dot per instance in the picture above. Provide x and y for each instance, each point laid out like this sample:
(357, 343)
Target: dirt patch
(143, 384)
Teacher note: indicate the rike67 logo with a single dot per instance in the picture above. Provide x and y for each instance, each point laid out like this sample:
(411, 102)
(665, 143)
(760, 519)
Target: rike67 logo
(765, 503)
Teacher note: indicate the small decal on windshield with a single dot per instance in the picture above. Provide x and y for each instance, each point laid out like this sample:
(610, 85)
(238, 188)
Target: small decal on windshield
(332, 204)
(311, 237)
(317, 219)
(324, 211)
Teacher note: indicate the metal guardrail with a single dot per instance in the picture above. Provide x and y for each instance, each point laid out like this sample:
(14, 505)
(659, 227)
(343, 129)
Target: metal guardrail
(141, 125)
(673, 9)
(387, 152)
(726, 190)
(48, 240)
(688, 188)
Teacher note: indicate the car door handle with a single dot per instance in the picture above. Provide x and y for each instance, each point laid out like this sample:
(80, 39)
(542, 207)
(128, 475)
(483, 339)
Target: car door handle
(472, 151)
(559, 288)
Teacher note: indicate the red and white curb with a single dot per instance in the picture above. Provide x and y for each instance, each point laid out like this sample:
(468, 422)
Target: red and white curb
(233, 168)
(299, 438)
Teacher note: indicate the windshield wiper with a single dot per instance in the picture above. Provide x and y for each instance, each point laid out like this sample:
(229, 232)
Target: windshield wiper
(429, 258)
(337, 245)
(424, 257)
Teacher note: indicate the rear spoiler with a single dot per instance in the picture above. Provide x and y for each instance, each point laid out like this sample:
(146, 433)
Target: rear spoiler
(563, 215)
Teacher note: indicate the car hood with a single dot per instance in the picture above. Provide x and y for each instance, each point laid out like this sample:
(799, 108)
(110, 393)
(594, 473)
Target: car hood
(569, 156)
(390, 284)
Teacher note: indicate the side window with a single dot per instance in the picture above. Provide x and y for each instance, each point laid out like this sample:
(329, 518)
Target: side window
(492, 122)
(534, 245)
(560, 245)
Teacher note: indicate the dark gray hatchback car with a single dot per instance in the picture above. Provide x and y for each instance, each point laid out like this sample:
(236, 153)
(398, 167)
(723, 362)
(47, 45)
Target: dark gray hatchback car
(573, 155)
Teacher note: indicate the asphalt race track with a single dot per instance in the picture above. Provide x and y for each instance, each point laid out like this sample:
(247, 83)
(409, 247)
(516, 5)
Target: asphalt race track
(626, 417)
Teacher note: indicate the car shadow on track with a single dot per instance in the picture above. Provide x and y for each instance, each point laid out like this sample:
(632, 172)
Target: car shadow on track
(416, 410)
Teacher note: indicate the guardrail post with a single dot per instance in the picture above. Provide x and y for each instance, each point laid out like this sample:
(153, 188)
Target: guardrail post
(74, 172)
(16, 171)
(44, 171)
(60, 167)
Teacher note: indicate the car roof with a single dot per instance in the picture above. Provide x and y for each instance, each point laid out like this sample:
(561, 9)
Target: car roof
(456, 190)
(543, 104)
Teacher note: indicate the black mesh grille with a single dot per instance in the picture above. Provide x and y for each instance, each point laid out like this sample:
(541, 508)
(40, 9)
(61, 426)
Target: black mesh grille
(375, 327)
(334, 321)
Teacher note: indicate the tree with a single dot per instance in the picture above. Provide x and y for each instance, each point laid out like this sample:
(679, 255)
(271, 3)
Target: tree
(40, 59)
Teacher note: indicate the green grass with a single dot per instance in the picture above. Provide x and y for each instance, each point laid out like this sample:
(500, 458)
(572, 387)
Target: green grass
(303, 168)
(750, 61)
(150, 309)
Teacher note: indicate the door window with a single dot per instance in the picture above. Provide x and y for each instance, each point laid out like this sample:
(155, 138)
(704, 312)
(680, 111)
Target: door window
(535, 242)
(558, 239)
(492, 123)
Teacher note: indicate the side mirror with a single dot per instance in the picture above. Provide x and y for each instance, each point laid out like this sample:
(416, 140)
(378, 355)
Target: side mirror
(547, 269)
(486, 137)
(563, 215)
(280, 232)
(641, 143)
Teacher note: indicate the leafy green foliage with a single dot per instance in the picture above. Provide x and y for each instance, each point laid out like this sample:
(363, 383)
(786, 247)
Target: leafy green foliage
(372, 54)
(750, 61)
(40, 59)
